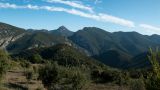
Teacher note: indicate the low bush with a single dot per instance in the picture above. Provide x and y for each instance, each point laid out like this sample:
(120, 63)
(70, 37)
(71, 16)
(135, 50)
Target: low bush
(58, 77)
(4, 63)
(153, 80)
(36, 58)
(137, 84)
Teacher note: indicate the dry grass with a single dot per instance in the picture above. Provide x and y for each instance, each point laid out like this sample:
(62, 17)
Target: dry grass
(16, 80)
(20, 79)
(107, 87)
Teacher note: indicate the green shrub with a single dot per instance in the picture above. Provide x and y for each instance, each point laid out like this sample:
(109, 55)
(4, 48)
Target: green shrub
(58, 77)
(137, 84)
(96, 75)
(122, 78)
(153, 83)
(106, 76)
(25, 63)
(29, 75)
(153, 80)
(49, 74)
(36, 58)
(136, 74)
(79, 81)
(4, 63)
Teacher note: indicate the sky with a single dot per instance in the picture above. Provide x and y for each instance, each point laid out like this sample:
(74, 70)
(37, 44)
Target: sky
(142, 16)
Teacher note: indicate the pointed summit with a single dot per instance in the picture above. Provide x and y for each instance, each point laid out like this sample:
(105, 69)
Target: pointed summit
(62, 27)
(63, 31)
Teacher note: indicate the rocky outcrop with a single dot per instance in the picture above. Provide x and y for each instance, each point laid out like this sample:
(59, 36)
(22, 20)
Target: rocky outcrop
(4, 41)
(9, 33)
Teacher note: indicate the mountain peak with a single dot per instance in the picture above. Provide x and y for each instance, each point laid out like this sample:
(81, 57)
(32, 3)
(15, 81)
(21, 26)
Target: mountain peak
(62, 28)
(63, 31)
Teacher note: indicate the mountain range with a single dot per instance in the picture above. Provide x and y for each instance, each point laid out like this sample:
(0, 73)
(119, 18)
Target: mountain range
(117, 49)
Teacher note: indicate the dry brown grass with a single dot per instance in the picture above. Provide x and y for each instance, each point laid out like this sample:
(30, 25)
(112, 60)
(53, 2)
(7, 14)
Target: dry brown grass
(20, 79)
(107, 87)
(16, 80)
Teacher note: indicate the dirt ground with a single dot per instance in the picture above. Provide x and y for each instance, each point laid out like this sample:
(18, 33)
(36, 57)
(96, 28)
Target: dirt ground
(16, 80)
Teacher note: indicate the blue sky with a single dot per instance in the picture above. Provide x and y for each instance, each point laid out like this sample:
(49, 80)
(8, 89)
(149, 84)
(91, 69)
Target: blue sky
(112, 15)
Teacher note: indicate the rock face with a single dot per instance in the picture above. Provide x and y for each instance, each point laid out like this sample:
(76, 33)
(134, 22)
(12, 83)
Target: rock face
(5, 41)
(9, 33)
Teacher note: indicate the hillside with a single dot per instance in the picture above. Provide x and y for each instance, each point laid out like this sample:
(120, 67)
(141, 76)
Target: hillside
(9, 33)
(98, 41)
(62, 53)
(114, 58)
(35, 39)
(91, 41)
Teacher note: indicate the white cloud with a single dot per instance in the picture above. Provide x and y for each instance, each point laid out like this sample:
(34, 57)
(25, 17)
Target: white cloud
(98, 17)
(150, 27)
(7, 5)
(97, 1)
(72, 4)
(32, 7)
(116, 20)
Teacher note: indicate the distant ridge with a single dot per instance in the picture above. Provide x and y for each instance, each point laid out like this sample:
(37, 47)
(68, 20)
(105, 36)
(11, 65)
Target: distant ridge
(92, 41)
